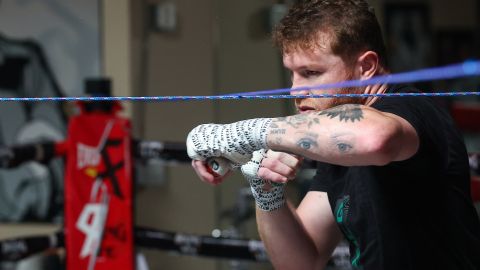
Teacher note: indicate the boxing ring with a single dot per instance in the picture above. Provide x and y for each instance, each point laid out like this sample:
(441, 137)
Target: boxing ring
(107, 194)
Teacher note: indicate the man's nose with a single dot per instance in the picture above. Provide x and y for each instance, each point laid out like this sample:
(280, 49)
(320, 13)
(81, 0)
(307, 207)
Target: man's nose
(299, 92)
(298, 89)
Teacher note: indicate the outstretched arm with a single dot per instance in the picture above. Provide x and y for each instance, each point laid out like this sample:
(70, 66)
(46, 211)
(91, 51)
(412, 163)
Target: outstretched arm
(348, 135)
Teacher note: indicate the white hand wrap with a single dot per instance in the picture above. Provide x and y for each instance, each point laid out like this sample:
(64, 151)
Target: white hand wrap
(235, 142)
(268, 195)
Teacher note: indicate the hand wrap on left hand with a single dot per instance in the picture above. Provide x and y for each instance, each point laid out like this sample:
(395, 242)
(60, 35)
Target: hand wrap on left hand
(235, 142)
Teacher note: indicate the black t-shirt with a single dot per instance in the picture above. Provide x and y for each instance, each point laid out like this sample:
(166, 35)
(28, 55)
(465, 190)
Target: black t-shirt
(411, 214)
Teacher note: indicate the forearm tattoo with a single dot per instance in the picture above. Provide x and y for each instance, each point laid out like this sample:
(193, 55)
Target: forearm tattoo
(308, 141)
(344, 148)
(307, 136)
(295, 121)
(343, 142)
(348, 112)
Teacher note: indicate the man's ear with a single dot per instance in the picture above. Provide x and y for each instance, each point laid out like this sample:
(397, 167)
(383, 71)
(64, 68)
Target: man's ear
(368, 65)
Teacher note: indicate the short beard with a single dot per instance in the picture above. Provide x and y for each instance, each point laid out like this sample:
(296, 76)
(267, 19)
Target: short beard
(349, 90)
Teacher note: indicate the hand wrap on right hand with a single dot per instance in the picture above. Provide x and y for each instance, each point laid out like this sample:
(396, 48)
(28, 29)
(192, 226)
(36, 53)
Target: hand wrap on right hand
(268, 195)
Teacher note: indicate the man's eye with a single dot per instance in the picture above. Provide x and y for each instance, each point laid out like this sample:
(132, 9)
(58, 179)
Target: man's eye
(310, 73)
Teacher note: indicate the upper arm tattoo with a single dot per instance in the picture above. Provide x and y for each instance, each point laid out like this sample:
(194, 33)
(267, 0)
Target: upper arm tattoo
(352, 112)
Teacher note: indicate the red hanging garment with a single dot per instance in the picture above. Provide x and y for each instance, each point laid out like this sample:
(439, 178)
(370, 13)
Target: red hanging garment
(98, 193)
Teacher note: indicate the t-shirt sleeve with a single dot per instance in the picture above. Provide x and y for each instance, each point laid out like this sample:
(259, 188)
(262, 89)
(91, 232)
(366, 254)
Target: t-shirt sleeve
(424, 116)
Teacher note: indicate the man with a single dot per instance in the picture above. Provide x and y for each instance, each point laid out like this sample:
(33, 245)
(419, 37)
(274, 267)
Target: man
(392, 177)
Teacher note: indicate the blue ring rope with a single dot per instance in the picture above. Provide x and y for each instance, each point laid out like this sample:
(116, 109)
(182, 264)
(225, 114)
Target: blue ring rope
(231, 97)
(466, 69)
